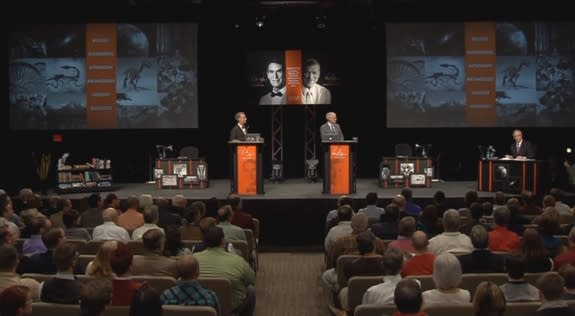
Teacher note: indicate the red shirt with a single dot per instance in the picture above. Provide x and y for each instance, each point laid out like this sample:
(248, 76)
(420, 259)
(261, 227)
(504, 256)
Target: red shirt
(568, 257)
(419, 265)
(242, 219)
(502, 239)
(123, 291)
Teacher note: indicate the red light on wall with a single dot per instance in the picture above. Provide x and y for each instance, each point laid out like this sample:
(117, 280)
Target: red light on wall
(57, 138)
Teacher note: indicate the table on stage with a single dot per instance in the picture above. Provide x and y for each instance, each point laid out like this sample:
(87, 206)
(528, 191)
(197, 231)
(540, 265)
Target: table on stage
(509, 175)
(400, 172)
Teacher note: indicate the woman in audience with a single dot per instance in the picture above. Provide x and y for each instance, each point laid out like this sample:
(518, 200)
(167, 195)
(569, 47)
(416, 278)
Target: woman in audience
(447, 277)
(100, 266)
(535, 254)
(549, 226)
(173, 246)
(146, 302)
(15, 301)
(389, 221)
(123, 287)
(488, 300)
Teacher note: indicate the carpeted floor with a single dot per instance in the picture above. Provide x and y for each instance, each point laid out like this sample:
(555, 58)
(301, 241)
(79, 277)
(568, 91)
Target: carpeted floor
(290, 284)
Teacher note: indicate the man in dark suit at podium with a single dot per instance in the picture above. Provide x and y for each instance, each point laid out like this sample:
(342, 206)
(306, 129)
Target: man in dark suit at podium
(240, 130)
(330, 131)
(521, 148)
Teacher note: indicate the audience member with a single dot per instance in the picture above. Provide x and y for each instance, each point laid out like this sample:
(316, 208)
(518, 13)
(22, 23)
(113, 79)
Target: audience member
(371, 210)
(240, 217)
(96, 295)
(109, 230)
(101, 267)
(567, 272)
(343, 227)
(481, 259)
(451, 240)
(562, 208)
(551, 289)
(488, 300)
(421, 263)
(410, 208)
(501, 238)
(332, 218)
(153, 262)
(37, 226)
(146, 302)
(406, 228)
(63, 288)
(166, 217)
(447, 277)
(150, 214)
(43, 262)
(131, 218)
(205, 224)
(386, 229)
(567, 257)
(475, 213)
(383, 293)
(429, 221)
(231, 232)
(528, 204)
(173, 246)
(440, 202)
(408, 298)
(179, 204)
(71, 221)
(92, 217)
(15, 301)
(62, 206)
(190, 229)
(112, 200)
(123, 287)
(8, 277)
(535, 254)
(517, 289)
(549, 227)
(469, 198)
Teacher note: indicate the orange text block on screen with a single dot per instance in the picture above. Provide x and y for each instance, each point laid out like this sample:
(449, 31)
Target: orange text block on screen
(293, 76)
(339, 169)
(247, 169)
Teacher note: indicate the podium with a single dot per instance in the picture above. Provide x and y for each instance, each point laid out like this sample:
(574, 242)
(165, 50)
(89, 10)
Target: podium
(509, 175)
(246, 166)
(339, 167)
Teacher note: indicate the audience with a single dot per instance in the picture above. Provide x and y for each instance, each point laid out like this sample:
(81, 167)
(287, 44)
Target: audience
(189, 291)
(535, 254)
(567, 272)
(146, 302)
(150, 214)
(331, 218)
(408, 298)
(517, 289)
(240, 217)
(101, 267)
(567, 257)
(421, 263)
(371, 210)
(476, 212)
(549, 226)
(71, 221)
(410, 208)
(173, 246)
(447, 277)
(451, 240)
(43, 262)
(386, 229)
(440, 202)
(63, 288)
(480, 260)
(501, 238)
(109, 230)
(92, 217)
(343, 227)
(95, 296)
(15, 301)
(62, 207)
(488, 300)
(8, 277)
(190, 229)
(407, 226)
(166, 217)
(551, 289)
(37, 226)
(231, 232)
(429, 221)
(383, 293)
(205, 224)
(153, 262)
(131, 218)
(123, 287)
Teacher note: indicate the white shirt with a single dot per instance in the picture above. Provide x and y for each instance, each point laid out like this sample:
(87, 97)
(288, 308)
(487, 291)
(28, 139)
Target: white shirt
(139, 232)
(382, 293)
(372, 212)
(242, 128)
(268, 99)
(110, 231)
(436, 297)
(454, 242)
(317, 94)
(343, 228)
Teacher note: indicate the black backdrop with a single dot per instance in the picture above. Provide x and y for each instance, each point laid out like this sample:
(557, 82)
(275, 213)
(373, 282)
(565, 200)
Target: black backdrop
(227, 32)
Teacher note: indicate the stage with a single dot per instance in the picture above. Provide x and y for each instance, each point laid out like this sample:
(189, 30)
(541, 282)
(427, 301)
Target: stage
(292, 213)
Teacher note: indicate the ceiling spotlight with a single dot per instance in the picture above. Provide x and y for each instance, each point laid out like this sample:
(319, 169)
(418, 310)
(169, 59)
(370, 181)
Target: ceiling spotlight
(321, 22)
(260, 21)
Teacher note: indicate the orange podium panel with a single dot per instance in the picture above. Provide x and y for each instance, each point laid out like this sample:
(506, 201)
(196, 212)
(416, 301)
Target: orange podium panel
(246, 160)
(339, 167)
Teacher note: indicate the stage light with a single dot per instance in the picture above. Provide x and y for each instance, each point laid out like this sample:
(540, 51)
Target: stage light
(321, 22)
(260, 20)
(277, 171)
(311, 170)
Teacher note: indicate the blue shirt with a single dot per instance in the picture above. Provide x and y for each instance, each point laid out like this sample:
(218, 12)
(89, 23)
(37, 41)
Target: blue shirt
(190, 293)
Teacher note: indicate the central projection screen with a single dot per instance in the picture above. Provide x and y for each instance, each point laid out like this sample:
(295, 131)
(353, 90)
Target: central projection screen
(480, 74)
(103, 76)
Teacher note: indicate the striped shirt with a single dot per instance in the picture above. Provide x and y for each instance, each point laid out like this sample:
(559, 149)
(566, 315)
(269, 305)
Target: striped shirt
(190, 293)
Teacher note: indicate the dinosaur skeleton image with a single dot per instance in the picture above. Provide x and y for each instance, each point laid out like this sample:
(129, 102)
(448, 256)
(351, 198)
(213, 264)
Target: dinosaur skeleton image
(511, 73)
(444, 78)
(72, 78)
(133, 75)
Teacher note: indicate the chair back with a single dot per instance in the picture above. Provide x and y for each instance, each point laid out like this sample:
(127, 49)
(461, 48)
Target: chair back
(223, 289)
(177, 310)
(160, 283)
(242, 247)
(256, 223)
(374, 310)
(43, 309)
(425, 281)
(137, 247)
(356, 287)
(192, 152)
(37, 276)
(84, 260)
(251, 245)
(470, 281)
(403, 150)
(78, 243)
(92, 247)
(341, 262)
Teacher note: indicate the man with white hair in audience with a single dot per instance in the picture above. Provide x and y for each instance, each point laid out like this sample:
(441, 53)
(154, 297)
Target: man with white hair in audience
(383, 293)
(451, 240)
(151, 215)
(568, 256)
(447, 277)
(7, 213)
(109, 230)
(9, 232)
(179, 204)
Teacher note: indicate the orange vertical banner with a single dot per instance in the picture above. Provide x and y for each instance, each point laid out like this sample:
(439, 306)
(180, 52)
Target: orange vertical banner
(293, 76)
(101, 60)
(247, 169)
(480, 74)
(339, 171)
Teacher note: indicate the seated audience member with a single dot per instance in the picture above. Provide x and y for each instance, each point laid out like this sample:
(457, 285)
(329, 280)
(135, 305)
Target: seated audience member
(410, 208)
(487, 218)
(343, 227)
(399, 200)
(440, 201)
(15, 301)
(150, 214)
(549, 227)
(6, 234)
(166, 217)
(216, 262)
(370, 263)
(528, 204)
(123, 287)
(429, 221)
(96, 296)
(501, 238)
(190, 229)
(488, 300)
(27, 217)
(422, 261)
(43, 262)
(499, 200)
(383, 293)
(231, 232)
(112, 200)
(179, 203)
(567, 257)
(475, 213)
(371, 210)
(447, 277)
(407, 227)
(100, 267)
(146, 302)
(63, 288)
(109, 230)
(71, 221)
(517, 289)
(131, 218)
(240, 217)
(535, 254)
(173, 246)
(62, 207)
(551, 291)
(189, 291)
(153, 261)
(469, 198)
(386, 229)
(562, 208)
(408, 298)
(331, 218)
(205, 224)
(516, 220)
(451, 240)
(567, 272)
(92, 217)
(145, 200)
(37, 226)
(480, 260)
(8, 277)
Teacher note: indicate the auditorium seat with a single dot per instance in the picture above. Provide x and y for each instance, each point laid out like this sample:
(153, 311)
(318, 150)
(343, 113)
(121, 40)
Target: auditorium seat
(160, 283)
(252, 248)
(176, 310)
(356, 287)
(92, 247)
(469, 281)
(43, 309)
(190, 243)
(223, 289)
(37, 276)
(341, 261)
(242, 247)
(426, 281)
(512, 309)
(79, 243)
(137, 247)
(84, 260)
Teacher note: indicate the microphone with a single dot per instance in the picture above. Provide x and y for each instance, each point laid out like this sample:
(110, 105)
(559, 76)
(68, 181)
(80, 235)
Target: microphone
(170, 148)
